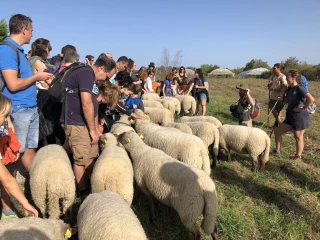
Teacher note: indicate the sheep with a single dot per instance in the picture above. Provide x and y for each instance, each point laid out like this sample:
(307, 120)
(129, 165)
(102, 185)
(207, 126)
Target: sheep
(244, 139)
(182, 146)
(121, 126)
(157, 115)
(113, 170)
(31, 228)
(168, 104)
(210, 119)
(52, 181)
(150, 96)
(181, 126)
(176, 103)
(188, 190)
(209, 134)
(107, 216)
(152, 103)
(187, 102)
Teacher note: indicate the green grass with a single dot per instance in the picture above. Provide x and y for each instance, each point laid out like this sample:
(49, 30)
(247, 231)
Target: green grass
(283, 202)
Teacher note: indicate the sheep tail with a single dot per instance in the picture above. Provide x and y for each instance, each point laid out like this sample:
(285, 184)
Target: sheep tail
(210, 212)
(193, 106)
(265, 157)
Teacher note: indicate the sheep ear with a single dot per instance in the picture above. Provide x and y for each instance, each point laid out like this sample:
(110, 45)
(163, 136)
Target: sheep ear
(129, 140)
(141, 136)
(67, 234)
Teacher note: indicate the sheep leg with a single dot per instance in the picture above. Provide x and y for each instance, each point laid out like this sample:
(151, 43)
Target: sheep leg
(152, 208)
(228, 154)
(254, 163)
(214, 235)
(197, 235)
(262, 164)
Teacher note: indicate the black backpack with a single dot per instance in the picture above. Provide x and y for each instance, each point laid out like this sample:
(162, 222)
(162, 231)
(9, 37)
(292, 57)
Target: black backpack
(18, 59)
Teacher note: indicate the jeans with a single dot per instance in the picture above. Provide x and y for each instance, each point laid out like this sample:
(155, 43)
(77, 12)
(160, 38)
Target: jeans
(26, 124)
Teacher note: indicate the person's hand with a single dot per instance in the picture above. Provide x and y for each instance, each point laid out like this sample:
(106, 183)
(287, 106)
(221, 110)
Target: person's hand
(43, 76)
(94, 136)
(248, 91)
(297, 110)
(99, 130)
(29, 208)
(197, 86)
(134, 106)
(87, 61)
(16, 155)
(269, 82)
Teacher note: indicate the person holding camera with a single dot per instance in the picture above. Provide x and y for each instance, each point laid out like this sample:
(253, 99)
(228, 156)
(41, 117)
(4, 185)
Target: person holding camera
(245, 105)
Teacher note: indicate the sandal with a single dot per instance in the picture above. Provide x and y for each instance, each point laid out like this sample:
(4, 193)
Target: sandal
(295, 157)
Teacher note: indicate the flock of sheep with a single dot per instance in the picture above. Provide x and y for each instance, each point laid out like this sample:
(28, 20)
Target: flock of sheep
(168, 160)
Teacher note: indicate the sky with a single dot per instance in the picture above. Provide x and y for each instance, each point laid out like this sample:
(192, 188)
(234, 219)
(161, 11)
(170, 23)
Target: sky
(228, 33)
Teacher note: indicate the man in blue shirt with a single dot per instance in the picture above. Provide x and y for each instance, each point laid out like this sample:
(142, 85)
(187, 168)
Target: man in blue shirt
(21, 89)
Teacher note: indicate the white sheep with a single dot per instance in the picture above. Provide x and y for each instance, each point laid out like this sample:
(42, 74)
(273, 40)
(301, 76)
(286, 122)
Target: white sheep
(168, 104)
(157, 115)
(181, 146)
(209, 134)
(121, 126)
(52, 181)
(150, 96)
(176, 103)
(187, 102)
(31, 228)
(242, 139)
(210, 119)
(152, 103)
(107, 216)
(181, 126)
(188, 190)
(113, 170)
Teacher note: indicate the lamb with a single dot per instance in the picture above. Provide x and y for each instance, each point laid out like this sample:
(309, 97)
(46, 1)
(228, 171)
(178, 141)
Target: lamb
(152, 103)
(52, 181)
(121, 126)
(209, 134)
(181, 146)
(181, 126)
(210, 119)
(243, 139)
(176, 103)
(107, 216)
(188, 190)
(150, 96)
(168, 104)
(31, 228)
(113, 170)
(157, 115)
(187, 102)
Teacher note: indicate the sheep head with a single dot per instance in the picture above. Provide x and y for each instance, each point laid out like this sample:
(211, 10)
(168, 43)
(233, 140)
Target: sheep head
(107, 139)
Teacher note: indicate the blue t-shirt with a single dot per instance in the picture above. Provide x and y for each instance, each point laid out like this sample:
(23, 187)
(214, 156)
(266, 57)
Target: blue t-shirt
(167, 84)
(131, 101)
(8, 61)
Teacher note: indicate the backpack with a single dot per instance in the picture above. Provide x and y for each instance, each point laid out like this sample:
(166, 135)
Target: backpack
(18, 59)
(57, 88)
(304, 83)
(256, 109)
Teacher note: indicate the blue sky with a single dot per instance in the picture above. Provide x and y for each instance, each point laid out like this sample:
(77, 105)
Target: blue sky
(229, 33)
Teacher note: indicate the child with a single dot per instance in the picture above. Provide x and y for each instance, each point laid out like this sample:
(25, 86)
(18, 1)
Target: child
(133, 101)
(9, 147)
(167, 88)
(175, 86)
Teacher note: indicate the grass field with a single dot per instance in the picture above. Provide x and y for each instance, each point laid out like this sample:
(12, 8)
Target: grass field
(283, 202)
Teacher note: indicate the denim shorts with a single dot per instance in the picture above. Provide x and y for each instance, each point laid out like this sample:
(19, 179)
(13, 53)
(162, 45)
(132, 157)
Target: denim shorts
(26, 124)
(202, 96)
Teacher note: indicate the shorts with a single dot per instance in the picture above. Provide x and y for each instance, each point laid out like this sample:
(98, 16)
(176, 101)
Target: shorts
(80, 143)
(278, 107)
(26, 125)
(298, 121)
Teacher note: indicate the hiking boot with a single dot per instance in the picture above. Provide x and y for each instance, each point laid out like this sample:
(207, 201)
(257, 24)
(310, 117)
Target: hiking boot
(295, 157)
(3, 216)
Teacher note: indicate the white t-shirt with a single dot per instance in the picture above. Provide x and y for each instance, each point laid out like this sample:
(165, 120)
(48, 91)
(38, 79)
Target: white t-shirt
(148, 85)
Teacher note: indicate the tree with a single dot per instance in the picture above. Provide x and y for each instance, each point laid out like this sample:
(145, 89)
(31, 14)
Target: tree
(166, 64)
(176, 62)
(291, 62)
(206, 68)
(215, 67)
(260, 64)
(250, 65)
(3, 30)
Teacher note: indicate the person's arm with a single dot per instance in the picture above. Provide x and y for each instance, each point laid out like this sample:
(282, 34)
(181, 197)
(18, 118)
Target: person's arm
(136, 116)
(15, 84)
(308, 103)
(249, 98)
(163, 90)
(190, 88)
(203, 87)
(12, 186)
(88, 111)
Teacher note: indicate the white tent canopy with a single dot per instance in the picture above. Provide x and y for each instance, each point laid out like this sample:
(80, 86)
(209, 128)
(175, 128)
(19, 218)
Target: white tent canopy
(254, 72)
(221, 71)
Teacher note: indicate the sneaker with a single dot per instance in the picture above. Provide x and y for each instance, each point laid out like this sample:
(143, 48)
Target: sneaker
(295, 157)
(3, 216)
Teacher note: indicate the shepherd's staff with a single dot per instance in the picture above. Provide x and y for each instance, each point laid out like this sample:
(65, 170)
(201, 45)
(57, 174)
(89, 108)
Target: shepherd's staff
(282, 105)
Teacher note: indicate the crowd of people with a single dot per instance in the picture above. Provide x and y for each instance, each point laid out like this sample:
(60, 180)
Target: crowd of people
(99, 92)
